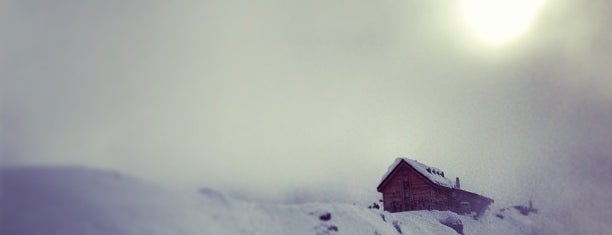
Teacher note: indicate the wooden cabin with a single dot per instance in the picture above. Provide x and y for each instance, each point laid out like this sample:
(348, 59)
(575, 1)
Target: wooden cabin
(410, 185)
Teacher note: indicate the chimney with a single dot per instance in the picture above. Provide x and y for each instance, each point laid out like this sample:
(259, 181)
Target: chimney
(457, 183)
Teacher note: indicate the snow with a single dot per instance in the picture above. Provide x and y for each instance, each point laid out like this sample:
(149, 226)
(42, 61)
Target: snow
(68, 200)
(432, 173)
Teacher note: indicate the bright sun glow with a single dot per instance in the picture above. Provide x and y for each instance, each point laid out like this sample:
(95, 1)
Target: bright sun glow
(498, 21)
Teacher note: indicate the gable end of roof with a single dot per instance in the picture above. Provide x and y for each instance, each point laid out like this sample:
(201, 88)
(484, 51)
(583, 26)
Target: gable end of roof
(401, 161)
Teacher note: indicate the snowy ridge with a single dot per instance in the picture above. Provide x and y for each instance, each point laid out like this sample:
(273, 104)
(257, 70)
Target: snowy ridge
(91, 202)
(432, 173)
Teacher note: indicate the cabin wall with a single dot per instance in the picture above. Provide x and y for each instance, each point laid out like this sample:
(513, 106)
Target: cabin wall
(408, 190)
(464, 203)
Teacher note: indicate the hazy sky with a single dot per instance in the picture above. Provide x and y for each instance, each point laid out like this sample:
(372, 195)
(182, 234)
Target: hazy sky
(311, 100)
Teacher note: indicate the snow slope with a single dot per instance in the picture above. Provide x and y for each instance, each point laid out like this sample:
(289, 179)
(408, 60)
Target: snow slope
(68, 200)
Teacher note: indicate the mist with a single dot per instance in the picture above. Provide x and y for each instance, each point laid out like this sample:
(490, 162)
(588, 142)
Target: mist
(297, 101)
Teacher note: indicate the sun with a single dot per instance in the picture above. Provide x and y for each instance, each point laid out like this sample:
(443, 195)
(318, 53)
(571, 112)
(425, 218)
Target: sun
(499, 21)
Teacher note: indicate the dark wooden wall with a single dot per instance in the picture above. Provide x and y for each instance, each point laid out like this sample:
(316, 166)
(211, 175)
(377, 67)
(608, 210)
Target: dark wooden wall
(465, 202)
(407, 190)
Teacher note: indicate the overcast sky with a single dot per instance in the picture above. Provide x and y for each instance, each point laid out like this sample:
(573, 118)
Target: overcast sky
(311, 100)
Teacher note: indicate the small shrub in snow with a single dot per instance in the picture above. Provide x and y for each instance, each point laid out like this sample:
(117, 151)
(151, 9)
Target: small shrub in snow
(325, 229)
(325, 216)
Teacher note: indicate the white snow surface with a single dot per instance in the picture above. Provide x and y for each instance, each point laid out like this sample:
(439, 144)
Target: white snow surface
(68, 200)
(434, 174)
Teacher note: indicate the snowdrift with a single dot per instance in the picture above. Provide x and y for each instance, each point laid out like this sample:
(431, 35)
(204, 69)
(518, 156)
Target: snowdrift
(70, 200)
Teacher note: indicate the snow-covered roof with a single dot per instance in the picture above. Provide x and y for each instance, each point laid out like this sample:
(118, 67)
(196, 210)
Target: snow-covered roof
(434, 175)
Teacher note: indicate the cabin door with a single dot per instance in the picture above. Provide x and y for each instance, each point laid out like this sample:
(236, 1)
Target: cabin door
(406, 195)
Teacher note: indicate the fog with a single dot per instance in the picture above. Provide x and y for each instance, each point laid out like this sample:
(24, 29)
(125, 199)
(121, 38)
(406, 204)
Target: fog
(296, 101)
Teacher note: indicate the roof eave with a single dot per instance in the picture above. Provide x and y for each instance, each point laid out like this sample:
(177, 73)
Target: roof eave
(476, 194)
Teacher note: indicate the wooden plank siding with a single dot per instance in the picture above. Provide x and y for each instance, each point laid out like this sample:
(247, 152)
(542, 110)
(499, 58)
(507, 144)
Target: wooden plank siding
(406, 190)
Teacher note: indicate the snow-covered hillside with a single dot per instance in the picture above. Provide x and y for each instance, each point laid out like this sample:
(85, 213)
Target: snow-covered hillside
(68, 200)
